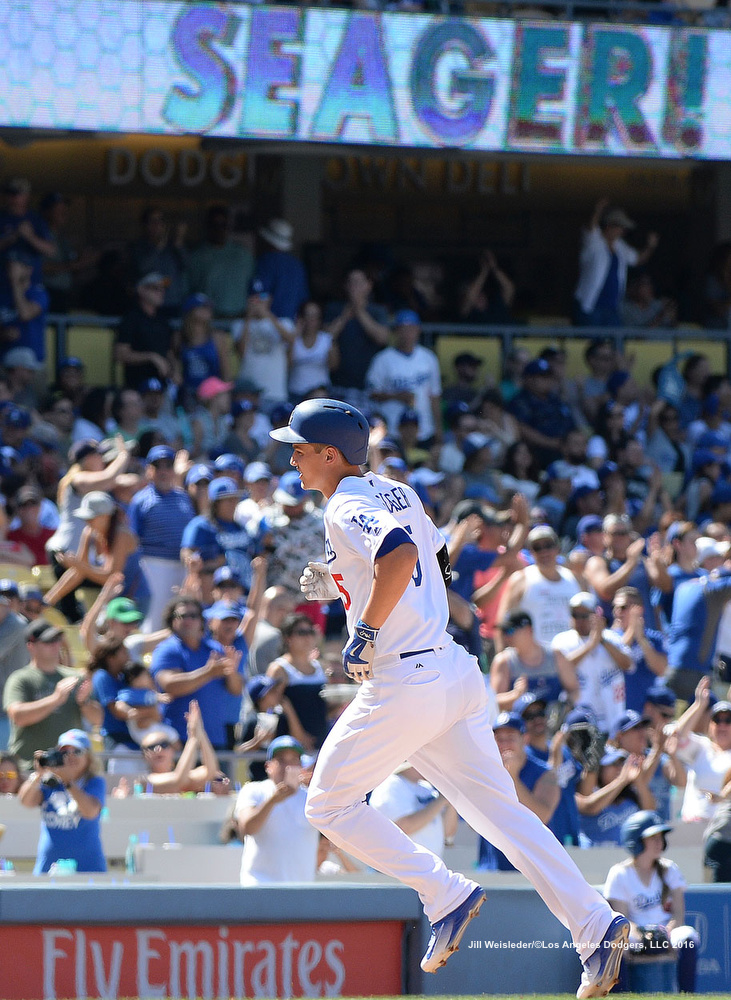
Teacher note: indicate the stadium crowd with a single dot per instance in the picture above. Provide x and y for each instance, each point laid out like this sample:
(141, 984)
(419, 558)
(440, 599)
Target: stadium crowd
(587, 520)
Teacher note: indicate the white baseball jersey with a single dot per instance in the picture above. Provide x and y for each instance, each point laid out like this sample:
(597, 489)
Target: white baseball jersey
(547, 602)
(397, 797)
(418, 372)
(361, 513)
(601, 682)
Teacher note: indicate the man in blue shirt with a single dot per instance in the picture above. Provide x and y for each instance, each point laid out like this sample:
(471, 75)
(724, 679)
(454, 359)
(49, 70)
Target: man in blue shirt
(190, 664)
(697, 611)
(281, 273)
(23, 306)
(158, 515)
(544, 418)
(224, 621)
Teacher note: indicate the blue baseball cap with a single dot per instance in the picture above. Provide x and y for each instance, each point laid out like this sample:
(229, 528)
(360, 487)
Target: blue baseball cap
(257, 288)
(289, 493)
(509, 720)
(74, 738)
(661, 694)
(525, 701)
(222, 610)
(257, 687)
(590, 522)
(712, 439)
(18, 417)
(197, 473)
(224, 574)
(606, 470)
(409, 417)
(582, 491)
(704, 456)
(256, 471)
(284, 743)
(537, 367)
(151, 385)
(407, 317)
(71, 362)
(195, 301)
(392, 462)
(560, 469)
(160, 453)
(8, 586)
(242, 406)
(628, 720)
(613, 756)
(219, 489)
(581, 715)
(228, 462)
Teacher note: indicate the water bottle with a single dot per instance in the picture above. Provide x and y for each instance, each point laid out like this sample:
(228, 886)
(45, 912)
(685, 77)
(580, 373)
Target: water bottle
(130, 863)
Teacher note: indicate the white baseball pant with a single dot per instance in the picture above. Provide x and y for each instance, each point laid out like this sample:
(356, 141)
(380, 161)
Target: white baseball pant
(434, 715)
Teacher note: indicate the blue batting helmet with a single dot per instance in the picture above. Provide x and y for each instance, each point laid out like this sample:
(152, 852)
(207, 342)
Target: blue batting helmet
(327, 421)
(639, 825)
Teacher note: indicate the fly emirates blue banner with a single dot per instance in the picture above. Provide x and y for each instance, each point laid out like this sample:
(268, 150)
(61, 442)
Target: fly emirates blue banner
(398, 80)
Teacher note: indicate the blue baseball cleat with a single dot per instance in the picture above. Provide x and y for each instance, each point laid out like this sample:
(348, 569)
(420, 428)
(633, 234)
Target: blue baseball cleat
(448, 932)
(601, 970)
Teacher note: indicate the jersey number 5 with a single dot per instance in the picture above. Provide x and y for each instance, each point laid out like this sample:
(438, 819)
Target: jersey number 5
(338, 578)
(417, 574)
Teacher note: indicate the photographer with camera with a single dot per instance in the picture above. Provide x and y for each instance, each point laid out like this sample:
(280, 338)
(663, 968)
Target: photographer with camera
(45, 699)
(67, 786)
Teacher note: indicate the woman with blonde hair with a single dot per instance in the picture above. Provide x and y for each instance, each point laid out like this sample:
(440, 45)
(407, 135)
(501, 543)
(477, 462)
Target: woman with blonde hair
(70, 791)
(87, 472)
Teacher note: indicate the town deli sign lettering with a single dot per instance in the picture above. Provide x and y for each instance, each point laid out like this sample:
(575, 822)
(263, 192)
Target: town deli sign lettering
(293, 960)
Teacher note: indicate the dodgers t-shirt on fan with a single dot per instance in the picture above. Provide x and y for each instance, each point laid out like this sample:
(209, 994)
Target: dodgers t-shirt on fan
(360, 514)
(66, 834)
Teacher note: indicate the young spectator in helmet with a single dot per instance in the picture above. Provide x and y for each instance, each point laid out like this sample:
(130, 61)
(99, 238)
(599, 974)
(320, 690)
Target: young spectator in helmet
(650, 890)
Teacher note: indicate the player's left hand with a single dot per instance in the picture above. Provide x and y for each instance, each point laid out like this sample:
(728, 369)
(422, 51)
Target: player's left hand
(358, 654)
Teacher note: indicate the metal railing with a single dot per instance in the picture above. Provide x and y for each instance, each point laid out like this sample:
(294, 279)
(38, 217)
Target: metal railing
(506, 336)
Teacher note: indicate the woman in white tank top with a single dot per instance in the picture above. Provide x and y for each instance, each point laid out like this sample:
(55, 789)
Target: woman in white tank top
(302, 674)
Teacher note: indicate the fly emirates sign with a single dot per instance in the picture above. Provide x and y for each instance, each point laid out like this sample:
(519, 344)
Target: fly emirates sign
(289, 960)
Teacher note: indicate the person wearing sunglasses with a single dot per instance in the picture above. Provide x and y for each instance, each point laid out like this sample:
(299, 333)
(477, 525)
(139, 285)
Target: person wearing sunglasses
(303, 675)
(166, 776)
(191, 664)
(598, 658)
(625, 564)
(543, 589)
(11, 776)
(67, 786)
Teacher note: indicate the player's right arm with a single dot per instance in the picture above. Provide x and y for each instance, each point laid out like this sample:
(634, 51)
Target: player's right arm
(391, 576)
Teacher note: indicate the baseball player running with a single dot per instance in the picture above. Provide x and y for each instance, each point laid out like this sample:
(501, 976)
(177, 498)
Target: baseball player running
(422, 699)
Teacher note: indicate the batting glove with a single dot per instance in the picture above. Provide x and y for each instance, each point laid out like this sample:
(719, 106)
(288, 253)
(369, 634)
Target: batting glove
(317, 584)
(358, 654)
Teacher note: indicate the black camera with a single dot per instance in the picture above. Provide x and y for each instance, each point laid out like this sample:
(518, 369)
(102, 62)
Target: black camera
(51, 758)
